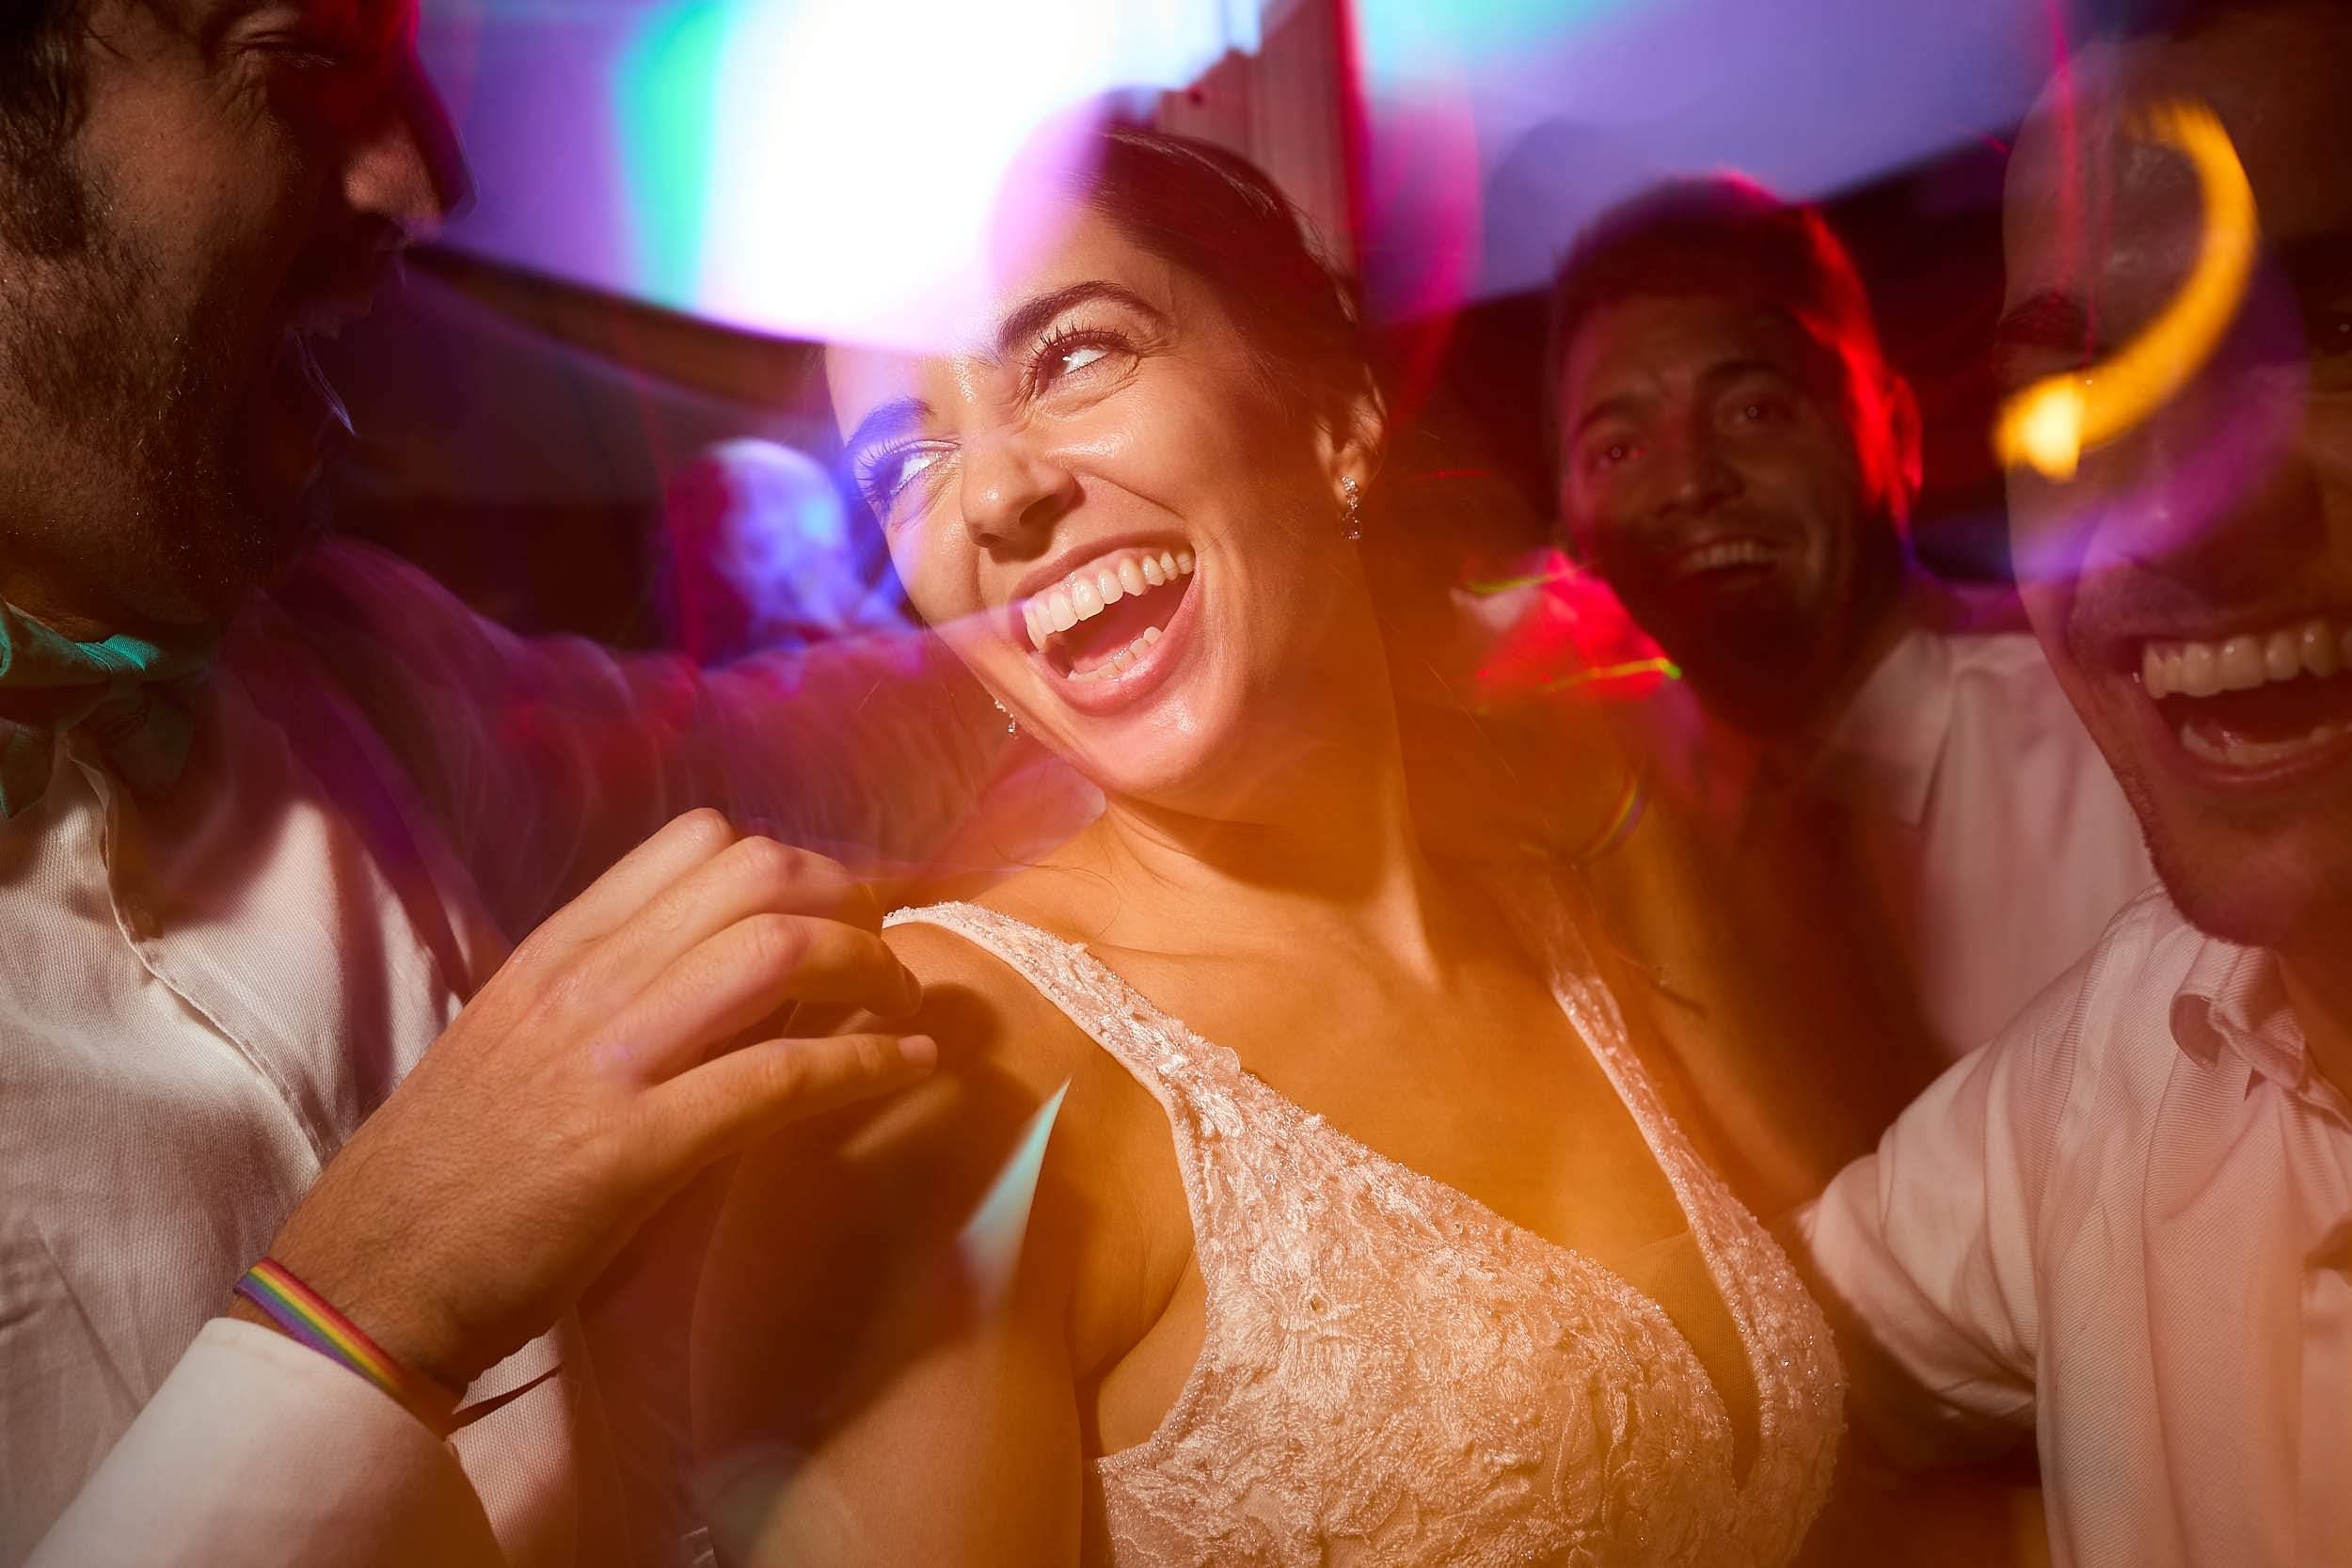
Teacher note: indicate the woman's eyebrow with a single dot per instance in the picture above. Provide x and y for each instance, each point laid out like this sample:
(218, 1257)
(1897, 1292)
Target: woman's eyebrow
(1030, 319)
(894, 418)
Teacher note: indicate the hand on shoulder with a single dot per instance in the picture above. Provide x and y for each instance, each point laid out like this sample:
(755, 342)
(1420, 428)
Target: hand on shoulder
(848, 1323)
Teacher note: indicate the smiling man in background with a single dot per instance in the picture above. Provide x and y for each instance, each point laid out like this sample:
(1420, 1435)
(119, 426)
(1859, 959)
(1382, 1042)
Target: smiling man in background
(1737, 458)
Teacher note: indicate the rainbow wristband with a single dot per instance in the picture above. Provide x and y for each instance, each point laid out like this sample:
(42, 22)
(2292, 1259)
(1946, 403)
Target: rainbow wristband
(305, 1315)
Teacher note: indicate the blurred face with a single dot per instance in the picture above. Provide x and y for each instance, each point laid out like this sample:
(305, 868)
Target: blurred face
(1101, 505)
(1711, 477)
(247, 170)
(2193, 584)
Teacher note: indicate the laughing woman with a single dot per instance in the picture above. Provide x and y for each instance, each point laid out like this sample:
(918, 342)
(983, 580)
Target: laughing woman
(1360, 1236)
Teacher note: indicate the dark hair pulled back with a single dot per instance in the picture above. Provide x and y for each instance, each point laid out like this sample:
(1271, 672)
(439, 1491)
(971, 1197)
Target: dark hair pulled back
(1221, 218)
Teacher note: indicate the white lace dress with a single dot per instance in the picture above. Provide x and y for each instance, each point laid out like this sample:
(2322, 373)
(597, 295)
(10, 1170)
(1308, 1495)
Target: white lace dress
(1394, 1376)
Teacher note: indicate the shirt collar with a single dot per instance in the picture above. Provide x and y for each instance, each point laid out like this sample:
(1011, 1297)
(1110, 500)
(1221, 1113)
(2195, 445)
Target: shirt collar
(1883, 750)
(2234, 999)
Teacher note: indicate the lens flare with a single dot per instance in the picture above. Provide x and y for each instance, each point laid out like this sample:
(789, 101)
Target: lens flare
(2049, 425)
(1571, 635)
(990, 1245)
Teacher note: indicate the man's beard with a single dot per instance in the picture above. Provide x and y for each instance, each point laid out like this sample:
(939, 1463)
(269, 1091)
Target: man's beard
(1756, 666)
(121, 423)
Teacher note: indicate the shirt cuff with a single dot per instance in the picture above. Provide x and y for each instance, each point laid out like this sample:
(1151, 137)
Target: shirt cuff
(257, 1450)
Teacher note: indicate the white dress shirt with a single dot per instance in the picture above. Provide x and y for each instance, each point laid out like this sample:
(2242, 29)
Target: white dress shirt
(1992, 833)
(2125, 1228)
(1996, 835)
(204, 993)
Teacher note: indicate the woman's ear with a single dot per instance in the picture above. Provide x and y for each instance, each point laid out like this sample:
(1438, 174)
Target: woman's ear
(1353, 437)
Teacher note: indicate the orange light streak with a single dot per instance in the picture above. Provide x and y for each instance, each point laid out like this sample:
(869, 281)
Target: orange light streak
(2050, 424)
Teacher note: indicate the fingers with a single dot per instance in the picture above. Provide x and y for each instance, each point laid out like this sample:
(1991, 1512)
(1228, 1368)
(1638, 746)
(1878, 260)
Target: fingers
(745, 974)
(677, 849)
(749, 877)
(729, 1103)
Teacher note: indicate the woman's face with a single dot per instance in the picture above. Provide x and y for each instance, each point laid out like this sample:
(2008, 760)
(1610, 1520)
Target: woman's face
(1119, 527)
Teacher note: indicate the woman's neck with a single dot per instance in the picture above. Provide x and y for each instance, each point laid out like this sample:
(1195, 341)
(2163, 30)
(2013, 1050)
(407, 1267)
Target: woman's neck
(1335, 852)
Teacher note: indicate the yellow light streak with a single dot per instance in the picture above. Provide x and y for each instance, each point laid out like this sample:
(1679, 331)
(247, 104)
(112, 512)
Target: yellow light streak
(2050, 424)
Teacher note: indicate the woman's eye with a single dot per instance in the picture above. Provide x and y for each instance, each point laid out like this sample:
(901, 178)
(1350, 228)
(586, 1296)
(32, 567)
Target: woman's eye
(1079, 359)
(1073, 355)
(886, 474)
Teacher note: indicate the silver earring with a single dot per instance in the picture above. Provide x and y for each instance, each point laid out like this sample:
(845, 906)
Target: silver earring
(1354, 517)
(1013, 725)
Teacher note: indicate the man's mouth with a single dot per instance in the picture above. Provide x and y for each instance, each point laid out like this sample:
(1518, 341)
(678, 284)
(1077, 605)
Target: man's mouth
(294, 424)
(326, 296)
(1101, 621)
(2258, 702)
(1721, 559)
(299, 361)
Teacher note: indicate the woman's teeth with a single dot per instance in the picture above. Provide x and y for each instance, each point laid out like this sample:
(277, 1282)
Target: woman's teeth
(2316, 647)
(1087, 591)
(1116, 664)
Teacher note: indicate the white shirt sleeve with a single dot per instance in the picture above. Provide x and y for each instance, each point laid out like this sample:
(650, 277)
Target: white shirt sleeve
(1925, 1248)
(262, 1452)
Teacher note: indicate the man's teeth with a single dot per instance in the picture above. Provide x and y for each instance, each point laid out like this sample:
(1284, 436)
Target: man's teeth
(2230, 750)
(1115, 665)
(1726, 552)
(1086, 593)
(2316, 647)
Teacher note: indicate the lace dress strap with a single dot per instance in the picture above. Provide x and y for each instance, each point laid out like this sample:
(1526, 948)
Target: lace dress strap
(1185, 1073)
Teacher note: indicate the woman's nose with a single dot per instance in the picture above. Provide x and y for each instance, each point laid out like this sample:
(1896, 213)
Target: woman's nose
(1012, 489)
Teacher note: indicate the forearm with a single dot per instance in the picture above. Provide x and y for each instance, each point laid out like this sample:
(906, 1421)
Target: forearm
(259, 1452)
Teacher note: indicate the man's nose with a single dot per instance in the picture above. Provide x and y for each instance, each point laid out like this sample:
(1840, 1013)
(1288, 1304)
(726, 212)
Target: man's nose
(1010, 488)
(1690, 473)
(404, 164)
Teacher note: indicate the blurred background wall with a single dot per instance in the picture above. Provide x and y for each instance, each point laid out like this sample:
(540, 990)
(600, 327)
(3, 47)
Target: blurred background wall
(680, 199)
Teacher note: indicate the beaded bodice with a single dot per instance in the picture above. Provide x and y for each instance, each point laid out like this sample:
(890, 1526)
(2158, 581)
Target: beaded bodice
(1394, 1376)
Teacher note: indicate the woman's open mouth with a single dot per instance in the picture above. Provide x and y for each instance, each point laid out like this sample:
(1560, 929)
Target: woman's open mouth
(1101, 625)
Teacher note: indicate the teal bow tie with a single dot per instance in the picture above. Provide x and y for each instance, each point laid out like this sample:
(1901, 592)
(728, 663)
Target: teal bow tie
(130, 694)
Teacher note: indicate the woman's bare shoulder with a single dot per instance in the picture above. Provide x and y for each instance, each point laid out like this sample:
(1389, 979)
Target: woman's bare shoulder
(982, 1011)
(900, 1178)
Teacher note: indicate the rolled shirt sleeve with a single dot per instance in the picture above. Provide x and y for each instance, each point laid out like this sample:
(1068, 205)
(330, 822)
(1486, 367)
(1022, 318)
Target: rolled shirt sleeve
(1925, 1248)
(261, 1453)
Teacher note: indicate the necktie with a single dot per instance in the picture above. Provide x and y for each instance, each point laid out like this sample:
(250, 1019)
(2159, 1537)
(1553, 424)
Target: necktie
(128, 694)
